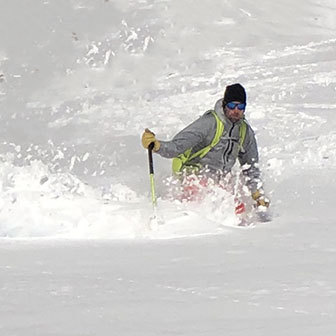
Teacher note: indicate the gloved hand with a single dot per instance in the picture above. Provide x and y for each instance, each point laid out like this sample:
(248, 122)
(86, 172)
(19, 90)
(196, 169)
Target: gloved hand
(261, 199)
(147, 138)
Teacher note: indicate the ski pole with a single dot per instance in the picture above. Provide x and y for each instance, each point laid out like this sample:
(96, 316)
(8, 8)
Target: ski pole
(151, 174)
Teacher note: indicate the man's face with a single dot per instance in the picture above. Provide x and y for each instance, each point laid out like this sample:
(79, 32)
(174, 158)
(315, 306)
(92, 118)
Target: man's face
(234, 110)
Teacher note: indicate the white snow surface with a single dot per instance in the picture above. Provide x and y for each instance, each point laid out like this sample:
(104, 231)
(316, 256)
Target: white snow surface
(79, 82)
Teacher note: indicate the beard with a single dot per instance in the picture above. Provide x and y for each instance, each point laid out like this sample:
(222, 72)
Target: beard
(234, 117)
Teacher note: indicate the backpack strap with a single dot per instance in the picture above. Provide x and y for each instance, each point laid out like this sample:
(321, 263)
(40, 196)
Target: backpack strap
(242, 134)
(183, 159)
(219, 131)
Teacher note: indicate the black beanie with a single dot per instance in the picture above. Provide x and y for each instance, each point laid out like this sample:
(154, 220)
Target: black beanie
(235, 92)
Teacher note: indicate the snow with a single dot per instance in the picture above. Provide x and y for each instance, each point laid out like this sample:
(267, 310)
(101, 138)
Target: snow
(79, 82)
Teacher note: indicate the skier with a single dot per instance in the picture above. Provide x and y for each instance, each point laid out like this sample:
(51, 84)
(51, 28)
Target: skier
(209, 146)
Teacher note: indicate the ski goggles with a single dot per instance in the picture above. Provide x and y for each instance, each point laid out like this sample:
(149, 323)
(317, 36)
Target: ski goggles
(232, 106)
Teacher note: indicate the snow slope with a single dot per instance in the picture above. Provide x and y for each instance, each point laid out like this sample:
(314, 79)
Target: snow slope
(79, 81)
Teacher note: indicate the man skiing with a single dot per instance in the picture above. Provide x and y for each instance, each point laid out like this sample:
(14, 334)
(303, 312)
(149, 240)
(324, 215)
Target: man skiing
(211, 144)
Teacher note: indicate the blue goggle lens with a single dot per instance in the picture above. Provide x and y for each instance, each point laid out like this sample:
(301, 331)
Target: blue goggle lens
(232, 106)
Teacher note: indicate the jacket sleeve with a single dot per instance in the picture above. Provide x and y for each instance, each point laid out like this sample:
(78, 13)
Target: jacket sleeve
(193, 135)
(249, 160)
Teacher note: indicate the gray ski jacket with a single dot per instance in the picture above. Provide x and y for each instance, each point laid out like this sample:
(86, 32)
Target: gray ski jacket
(220, 159)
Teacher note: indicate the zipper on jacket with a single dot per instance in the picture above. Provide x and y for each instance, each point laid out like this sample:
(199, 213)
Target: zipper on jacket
(229, 147)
